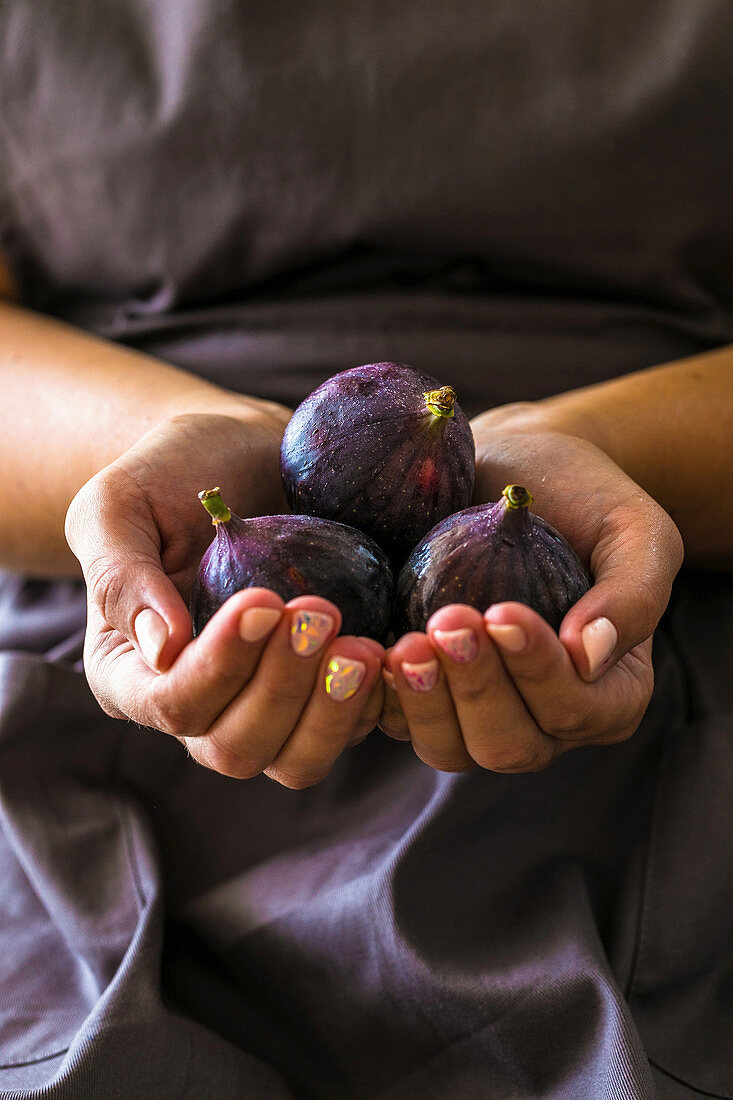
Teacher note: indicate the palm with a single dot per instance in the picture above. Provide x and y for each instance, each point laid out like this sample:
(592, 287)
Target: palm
(161, 477)
(142, 512)
(545, 693)
(139, 531)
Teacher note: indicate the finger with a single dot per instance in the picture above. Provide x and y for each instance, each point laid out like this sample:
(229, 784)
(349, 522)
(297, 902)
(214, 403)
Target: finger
(116, 672)
(423, 693)
(392, 720)
(634, 564)
(210, 672)
(373, 706)
(216, 666)
(117, 543)
(247, 736)
(562, 704)
(348, 671)
(499, 732)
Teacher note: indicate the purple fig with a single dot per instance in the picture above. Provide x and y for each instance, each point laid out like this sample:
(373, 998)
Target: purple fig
(293, 556)
(486, 555)
(383, 448)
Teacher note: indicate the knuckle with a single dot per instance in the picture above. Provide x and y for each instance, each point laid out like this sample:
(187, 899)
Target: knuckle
(230, 760)
(470, 690)
(168, 716)
(295, 781)
(444, 763)
(616, 736)
(390, 729)
(390, 724)
(572, 722)
(109, 708)
(517, 758)
(624, 734)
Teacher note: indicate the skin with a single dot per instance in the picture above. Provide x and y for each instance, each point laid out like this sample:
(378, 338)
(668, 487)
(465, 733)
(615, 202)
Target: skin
(127, 443)
(516, 709)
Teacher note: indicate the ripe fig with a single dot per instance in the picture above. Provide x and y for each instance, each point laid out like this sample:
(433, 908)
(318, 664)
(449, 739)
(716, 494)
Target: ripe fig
(293, 556)
(383, 448)
(486, 555)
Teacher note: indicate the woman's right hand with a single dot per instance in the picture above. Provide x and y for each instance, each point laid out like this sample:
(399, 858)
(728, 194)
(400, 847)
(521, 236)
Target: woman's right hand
(245, 696)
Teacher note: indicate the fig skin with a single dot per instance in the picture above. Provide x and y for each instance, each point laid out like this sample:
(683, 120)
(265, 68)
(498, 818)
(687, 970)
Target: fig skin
(489, 554)
(294, 556)
(366, 449)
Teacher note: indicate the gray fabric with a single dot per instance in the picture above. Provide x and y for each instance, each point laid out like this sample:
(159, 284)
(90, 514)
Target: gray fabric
(266, 194)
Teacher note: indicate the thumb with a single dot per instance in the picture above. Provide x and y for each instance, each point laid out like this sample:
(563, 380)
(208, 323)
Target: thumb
(634, 564)
(112, 531)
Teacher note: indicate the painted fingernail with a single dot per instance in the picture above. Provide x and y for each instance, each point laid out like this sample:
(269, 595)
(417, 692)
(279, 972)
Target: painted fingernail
(460, 645)
(421, 677)
(344, 677)
(388, 678)
(152, 634)
(507, 636)
(599, 641)
(309, 631)
(257, 622)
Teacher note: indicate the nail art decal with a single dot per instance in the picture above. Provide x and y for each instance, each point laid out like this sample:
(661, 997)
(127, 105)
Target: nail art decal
(422, 677)
(344, 676)
(309, 631)
(460, 645)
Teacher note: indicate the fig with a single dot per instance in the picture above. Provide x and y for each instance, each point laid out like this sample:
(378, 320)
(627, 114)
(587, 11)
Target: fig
(293, 556)
(488, 554)
(382, 448)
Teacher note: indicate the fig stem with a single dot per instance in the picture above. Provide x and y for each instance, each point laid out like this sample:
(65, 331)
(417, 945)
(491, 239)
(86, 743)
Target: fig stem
(215, 506)
(441, 402)
(516, 496)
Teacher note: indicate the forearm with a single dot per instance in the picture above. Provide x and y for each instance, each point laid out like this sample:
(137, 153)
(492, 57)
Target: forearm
(73, 403)
(670, 428)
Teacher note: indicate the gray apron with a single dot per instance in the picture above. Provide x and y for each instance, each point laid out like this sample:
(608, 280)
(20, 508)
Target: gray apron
(518, 199)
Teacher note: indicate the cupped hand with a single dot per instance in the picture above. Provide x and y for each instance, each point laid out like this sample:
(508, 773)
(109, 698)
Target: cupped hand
(498, 688)
(266, 686)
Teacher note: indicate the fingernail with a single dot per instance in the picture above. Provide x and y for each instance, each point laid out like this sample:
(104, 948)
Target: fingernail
(257, 622)
(421, 677)
(599, 641)
(152, 634)
(309, 631)
(460, 645)
(507, 636)
(344, 677)
(388, 678)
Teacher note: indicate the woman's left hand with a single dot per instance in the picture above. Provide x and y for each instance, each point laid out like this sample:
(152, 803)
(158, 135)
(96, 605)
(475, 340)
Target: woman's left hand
(501, 689)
